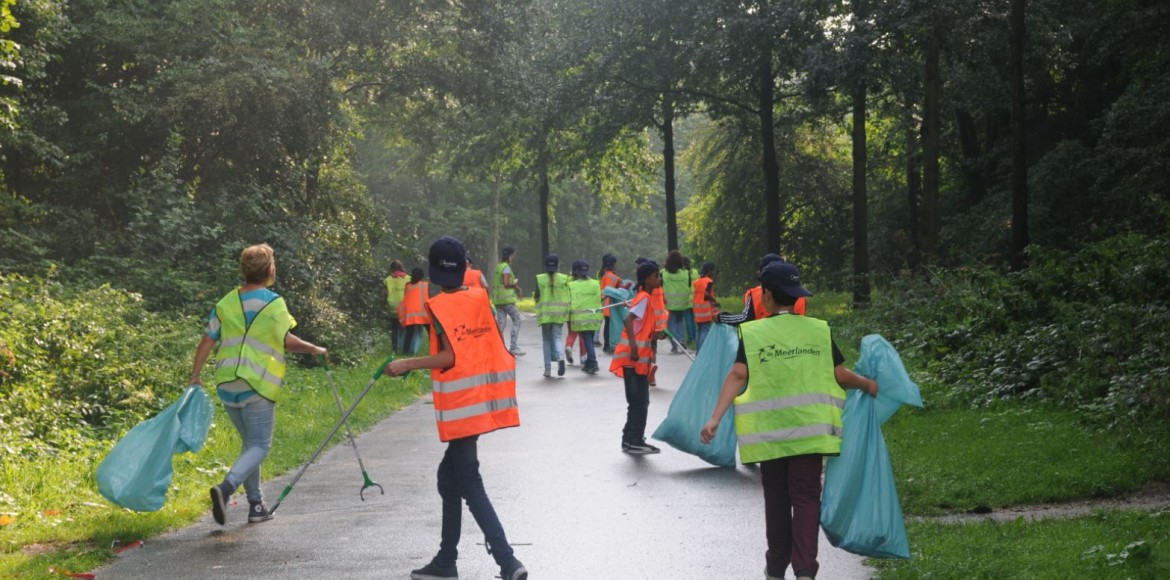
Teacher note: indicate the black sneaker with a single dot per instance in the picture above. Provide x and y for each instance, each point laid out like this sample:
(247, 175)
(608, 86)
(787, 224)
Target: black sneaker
(435, 571)
(560, 368)
(569, 355)
(258, 512)
(640, 448)
(514, 572)
(625, 445)
(220, 494)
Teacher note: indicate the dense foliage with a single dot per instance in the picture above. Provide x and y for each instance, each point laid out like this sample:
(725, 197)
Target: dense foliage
(77, 367)
(1086, 330)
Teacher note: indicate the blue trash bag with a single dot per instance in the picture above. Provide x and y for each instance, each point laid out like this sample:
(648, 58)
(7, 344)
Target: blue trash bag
(617, 313)
(138, 470)
(860, 510)
(696, 398)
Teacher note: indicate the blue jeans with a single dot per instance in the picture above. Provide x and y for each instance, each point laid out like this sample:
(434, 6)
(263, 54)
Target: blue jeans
(503, 313)
(255, 423)
(692, 331)
(413, 338)
(459, 480)
(553, 344)
(678, 327)
(704, 328)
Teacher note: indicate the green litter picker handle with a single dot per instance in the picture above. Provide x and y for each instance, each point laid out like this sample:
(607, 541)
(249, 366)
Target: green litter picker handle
(337, 427)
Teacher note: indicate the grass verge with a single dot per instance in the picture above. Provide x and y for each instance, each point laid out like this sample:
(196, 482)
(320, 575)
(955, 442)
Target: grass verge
(55, 521)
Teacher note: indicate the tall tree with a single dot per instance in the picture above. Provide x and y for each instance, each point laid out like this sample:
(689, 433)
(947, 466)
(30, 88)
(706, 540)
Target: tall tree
(1019, 137)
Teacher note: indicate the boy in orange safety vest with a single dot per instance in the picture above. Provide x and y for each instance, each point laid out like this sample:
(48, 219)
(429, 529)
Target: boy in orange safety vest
(632, 360)
(474, 379)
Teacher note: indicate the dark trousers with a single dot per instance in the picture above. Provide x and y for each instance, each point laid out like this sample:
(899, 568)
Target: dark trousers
(396, 334)
(637, 401)
(459, 480)
(606, 346)
(792, 511)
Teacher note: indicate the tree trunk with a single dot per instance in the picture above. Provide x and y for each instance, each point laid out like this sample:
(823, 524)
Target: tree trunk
(770, 162)
(860, 203)
(974, 172)
(668, 170)
(542, 186)
(1019, 144)
(494, 244)
(913, 182)
(930, 146)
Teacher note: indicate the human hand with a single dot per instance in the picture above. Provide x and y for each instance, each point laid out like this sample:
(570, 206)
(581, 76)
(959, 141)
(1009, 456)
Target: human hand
(708, 432)
(397, 368)
(872, 388)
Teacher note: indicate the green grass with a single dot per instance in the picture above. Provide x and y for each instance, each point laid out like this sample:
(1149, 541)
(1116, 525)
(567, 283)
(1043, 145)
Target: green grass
(1111, 544)
(957, 460)
(61, 522)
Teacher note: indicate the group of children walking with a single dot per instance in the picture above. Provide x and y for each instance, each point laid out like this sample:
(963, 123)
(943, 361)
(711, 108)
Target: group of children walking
(785, 384)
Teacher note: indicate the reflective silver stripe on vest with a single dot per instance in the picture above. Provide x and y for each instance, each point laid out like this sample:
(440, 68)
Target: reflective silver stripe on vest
(263, 372)
(789, 402)
(256, 344)
(473, 381)
(787, 434)
(475, 410)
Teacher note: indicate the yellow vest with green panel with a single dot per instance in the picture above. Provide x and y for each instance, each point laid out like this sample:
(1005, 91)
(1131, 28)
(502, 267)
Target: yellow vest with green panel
(554, 299)
(677, 290)
(792, 405)
(500, 294)
(585, 305)
(254, 353)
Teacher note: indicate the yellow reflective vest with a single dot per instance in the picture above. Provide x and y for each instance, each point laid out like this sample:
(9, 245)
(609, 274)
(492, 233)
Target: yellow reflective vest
(792, 405)
(585, 305)
(252, 352)
(554, 299)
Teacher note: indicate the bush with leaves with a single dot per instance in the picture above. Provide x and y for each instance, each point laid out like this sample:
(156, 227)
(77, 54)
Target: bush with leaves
(1086, 330)
(78, 365)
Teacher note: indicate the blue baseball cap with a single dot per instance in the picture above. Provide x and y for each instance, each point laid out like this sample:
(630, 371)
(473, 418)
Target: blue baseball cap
(448, 262)
(784, 276)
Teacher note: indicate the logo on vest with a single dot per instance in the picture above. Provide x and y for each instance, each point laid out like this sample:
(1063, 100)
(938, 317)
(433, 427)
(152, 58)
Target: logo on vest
(462, 332)
(771, 352)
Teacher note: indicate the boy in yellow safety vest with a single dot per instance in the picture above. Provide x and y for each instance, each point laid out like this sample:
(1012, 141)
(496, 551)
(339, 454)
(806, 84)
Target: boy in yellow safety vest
(789, 417)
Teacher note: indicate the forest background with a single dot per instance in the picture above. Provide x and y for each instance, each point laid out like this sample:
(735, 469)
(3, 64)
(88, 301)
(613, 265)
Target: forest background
(989, 181)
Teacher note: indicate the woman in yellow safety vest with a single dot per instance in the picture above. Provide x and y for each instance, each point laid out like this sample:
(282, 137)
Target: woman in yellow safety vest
(789, 417)
(395, 290)
(251, 325)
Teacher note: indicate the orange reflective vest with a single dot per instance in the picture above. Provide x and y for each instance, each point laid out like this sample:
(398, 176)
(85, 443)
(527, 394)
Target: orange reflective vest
(641, 341)
(658, 305)
(478, 394)
(412, 310)
(704, 311)
(757, 296)
(473, 278)
(608, 279)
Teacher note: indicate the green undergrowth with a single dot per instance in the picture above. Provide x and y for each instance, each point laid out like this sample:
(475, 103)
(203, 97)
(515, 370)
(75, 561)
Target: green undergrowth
(59, 521)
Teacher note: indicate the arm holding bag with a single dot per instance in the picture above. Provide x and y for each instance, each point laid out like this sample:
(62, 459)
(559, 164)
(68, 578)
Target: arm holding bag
(696, 397)
(860, 510)
(137, 471)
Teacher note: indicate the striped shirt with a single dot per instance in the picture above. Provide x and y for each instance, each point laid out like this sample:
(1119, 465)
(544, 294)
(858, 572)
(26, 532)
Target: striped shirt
(239, 393)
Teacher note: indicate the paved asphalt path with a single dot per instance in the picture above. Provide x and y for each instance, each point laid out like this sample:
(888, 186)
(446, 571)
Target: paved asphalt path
(573, 505)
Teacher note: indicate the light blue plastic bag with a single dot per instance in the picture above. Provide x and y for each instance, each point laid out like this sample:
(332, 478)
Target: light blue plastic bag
(138, 470)
(860, 510)
(696, 398)
(617, 314)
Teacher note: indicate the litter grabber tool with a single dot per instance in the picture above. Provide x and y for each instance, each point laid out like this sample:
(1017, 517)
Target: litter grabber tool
(622, 303)
(344, 418)
(368, 483)
(679, 345)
